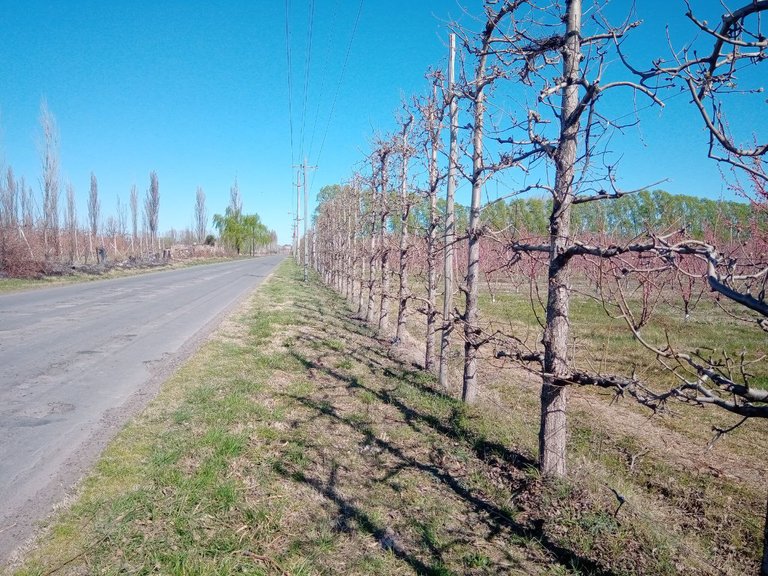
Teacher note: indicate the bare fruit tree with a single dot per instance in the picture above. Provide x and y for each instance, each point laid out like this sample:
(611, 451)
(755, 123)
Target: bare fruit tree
(715, 75)
(382, 154)
(404, 151)
(430, 123)
(449, 231)
(559, 66)
(372, 248)
(735, 272)
(487, 71)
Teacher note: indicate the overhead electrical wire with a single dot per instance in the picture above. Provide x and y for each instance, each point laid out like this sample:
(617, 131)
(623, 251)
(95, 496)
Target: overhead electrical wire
(306, 72)
(290, 89)
(339, 83)
(341, 76)
(337, 90)
(324, 77)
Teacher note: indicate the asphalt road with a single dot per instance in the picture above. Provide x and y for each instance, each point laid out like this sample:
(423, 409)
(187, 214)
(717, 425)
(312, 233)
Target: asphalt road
(77, 361)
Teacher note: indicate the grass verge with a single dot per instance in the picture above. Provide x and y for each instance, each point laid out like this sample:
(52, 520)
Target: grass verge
(19, 284)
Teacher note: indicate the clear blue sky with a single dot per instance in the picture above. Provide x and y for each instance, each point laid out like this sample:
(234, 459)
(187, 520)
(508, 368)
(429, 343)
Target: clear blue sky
(198, 91)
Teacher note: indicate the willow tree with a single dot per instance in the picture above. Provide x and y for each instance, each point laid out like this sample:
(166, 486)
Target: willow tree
(231, 228)
(257, 235)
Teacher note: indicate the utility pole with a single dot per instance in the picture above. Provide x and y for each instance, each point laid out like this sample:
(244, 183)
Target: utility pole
(450, 222)
(296, 224)
(306, 217)
(301, 182)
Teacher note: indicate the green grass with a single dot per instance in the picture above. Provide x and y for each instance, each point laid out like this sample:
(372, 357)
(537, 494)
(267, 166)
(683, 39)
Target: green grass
(604, 342)
(292, 443)
(20, 284)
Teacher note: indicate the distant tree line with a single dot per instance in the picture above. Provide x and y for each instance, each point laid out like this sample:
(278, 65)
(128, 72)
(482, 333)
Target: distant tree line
(629, 216)
(40, 236)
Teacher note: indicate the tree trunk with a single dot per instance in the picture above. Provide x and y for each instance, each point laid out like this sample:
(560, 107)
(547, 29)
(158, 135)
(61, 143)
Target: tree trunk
(554, 397)
(385, 277)
(353, 269)
(434, 134)
(450, 222)
(402, 292)
(349, 257)
(469, 389)
(371, 272)
(384, 248)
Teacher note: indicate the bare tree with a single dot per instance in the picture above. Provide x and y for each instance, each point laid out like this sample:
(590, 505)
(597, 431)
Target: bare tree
(372, 218)
(405, 151)
(235, 200)
(563, 128)
(476, 93)
(94, 210)
(357, 232)
(50, 166)
(134, 202)
(737, 272)
(378, 252)
(152, 208)
(450, 220)
(382, 153)
(26, 204)
(201, 216)
(111, 230)
(710, 76)
(121, 217)
(9, 201)
(5, 227)
(430, 120)
(70, 223)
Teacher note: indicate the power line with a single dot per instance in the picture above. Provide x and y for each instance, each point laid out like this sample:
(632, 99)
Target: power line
(323, 77)
(290, 90)
(339, 83)
(341, 77)
(306, 71)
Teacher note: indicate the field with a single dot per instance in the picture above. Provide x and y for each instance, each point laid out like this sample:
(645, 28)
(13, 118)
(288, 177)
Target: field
(297, 442)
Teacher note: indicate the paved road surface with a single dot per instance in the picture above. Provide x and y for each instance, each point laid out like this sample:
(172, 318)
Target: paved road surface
(77, 361)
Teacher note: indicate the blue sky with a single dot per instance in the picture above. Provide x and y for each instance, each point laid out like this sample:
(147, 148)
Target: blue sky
(198, 91)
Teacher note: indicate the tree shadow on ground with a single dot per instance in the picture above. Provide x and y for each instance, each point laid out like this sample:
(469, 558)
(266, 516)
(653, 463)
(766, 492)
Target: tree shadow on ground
(349, 514)
(495, 518)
